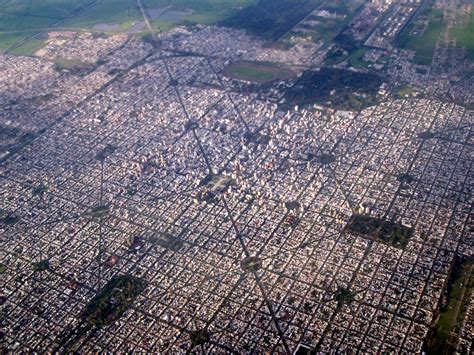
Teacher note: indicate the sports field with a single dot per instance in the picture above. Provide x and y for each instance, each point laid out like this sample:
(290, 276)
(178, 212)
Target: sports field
(258, 72)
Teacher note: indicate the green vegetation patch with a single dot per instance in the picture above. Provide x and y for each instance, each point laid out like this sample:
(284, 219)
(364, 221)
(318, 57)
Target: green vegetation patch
(167, 241)
(326, 158)
(387, 232)
(41, 266)
(3, 268)
(217, 183)
(46, 9)
(166, 14)
(100, 211)
(424, 44)
(73, 66)
(258, 72)
(443, 337)
(123, 13)
(257, 138)
(113, 300)
(465, 36)
(344, 296)
(8, 218)
(405, 91)
(108, 150)
(40, 190)
(355, 59)
(199, 337)
(20, 19)
(339, 88)
(30, 47)
(251, 263)
(271, 19)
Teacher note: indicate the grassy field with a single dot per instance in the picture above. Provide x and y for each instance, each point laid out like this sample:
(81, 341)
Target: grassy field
(405, 91)
(465, 36)
(258, 72)
(425, 44)
(20, 19)
(121, 12)
(30, 47)
(205, 12)
(44, 9)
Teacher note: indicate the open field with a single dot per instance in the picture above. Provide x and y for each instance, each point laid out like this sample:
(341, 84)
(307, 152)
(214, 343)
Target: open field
(465, 36)
(20, 19)
(207, 12)
(123, 13)
(29, 47)
(271, 19)
(424, 44)
(44, 9)
(258, 72)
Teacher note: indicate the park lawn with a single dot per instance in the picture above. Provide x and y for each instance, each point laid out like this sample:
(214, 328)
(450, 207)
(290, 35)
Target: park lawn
(405, 91)
(425, 44)
(465, 36)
